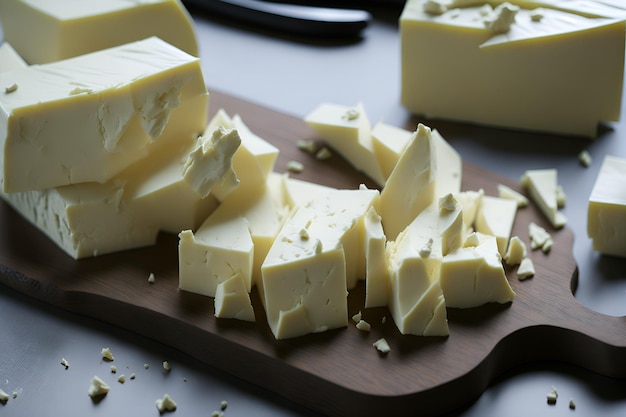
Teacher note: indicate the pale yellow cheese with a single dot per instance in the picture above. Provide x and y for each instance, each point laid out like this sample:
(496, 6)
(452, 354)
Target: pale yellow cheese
(88, 118)
(544, 190)
(561, 73)
(232, 300)
(515, 252)
(44, 31)
(471, 202)
(496, 217)
(472, 276)
(606, 210)
(376, 292)
(348, 131)
(9, 59)
(389, 143)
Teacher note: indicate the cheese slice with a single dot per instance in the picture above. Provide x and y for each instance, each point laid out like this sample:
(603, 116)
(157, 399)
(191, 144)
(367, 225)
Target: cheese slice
(607, 207)
(496, 217)
(411, 186)
(107, 107)
(9, 59)
(531, 62)
(348, 131)
(44, 31)
(416, 300)
(232, 300)
(544, 190)
(376, 293)
(473, 276)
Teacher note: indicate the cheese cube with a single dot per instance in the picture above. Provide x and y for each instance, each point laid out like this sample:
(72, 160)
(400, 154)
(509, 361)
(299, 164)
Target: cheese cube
(496, 217)
(532, 74)
(44, 31)
(348, 131)
(544, 190)
(232, 300)
(606, 211)
(88, 118)
(9, 59)
(473, 276)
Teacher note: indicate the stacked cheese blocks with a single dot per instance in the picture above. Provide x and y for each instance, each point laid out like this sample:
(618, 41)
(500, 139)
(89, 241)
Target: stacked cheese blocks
(541, 65)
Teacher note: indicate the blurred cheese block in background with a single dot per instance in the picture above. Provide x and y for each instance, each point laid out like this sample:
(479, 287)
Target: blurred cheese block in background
(88, 118)
(43, 31)
(544, 65)
(606, 215)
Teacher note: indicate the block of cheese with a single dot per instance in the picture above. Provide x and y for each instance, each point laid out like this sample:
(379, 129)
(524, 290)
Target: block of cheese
(496, 217)
(473, 275)
(411, 186)
(232, 300)
(606, 211)
(254, 159)
(10, 60)
(44, 31)
(376, 293)
(348, 131)
(559, 69)
(87, 118)
(128, 211)
(544, 190)
(414, 259)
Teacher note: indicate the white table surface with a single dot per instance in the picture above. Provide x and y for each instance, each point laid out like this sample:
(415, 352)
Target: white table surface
(293, 76)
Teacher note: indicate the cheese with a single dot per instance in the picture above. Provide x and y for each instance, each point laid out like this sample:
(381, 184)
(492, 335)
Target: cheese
(545, 192)
(496, 217)
(376, 293)
(44, 31)
(110, 108)
(348, 131)
(515, 252)
(526, 269)
(98, 387)
(606, 210)
(473, 276)
(539, 237)
(491, 66)
(389, 143)
(4, 397)
(232, 300)
(9, 59)
(106, 354)
(411, 186)
(471, 202)
(165, 404)
(416, 300)
(505, 191)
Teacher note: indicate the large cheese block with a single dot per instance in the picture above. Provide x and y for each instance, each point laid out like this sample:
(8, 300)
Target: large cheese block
(558, 69)
(606, 212)
(87, 118)
(44, 31)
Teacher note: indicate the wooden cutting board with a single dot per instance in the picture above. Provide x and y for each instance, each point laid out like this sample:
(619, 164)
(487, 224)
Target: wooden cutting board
(338, 372)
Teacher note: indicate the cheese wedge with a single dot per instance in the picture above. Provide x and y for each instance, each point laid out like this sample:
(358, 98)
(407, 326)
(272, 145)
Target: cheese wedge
(496, 217)
(529, 69)
(88, 118)
(606, 209)
(232, 300)
(44, 31)
(544, 190)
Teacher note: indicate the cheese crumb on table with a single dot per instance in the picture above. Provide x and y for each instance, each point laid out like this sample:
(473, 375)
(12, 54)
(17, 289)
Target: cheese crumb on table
(98, 387)
(307, 146)
(106, 354)
(151, 278)
(167, 366)
(363, 326)
(552, 396)
(572, 404)
(65, 363)
(223, 405)
(526, 269)
(295, 166)
(539, 237)
(585, 158)
(165, 404)
(4, 397)
(121, 379)
(357, 317)
(323, 154)
(382, 346)
(113, 369)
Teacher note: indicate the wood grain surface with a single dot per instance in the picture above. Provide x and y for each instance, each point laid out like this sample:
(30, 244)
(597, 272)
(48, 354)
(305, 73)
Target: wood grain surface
(338, 372)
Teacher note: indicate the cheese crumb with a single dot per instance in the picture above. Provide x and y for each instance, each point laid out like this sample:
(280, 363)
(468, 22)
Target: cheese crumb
(10, 89)
(132, 376)
(113, 369)
(106, 354)
(146, 365)
(351, 114)
(357, 317)
(217, 414)
(585, 158)
(98, 387)
(435, 7)
(167, 366)
(323, 154)
(223, 405)
(364, 326)
(307, 146)
(14, 394)
(572, 404)
(383, 320)
(304, 234)
(121, 379)
(151, 278)
(501, 19)
(539, 237)
(516, 251)
(295, 166)
(472, 240)
(4, 397)
(165, 404)
(536, 15)
(65, 363)
(382, 346)
(552, 396)
(526, 269)
(427, 249)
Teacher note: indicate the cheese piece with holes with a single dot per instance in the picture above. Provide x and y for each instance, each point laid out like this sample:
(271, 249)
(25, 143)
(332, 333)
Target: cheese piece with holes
(416, 300)
(376, 270)
(545, 63)
(544, 190)
(110, 108)
(126, 212)
(496, 217)
(473, 275)
(9, 59)
(232, 300)
(348, 131)
(44, 31)
(606, 210)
